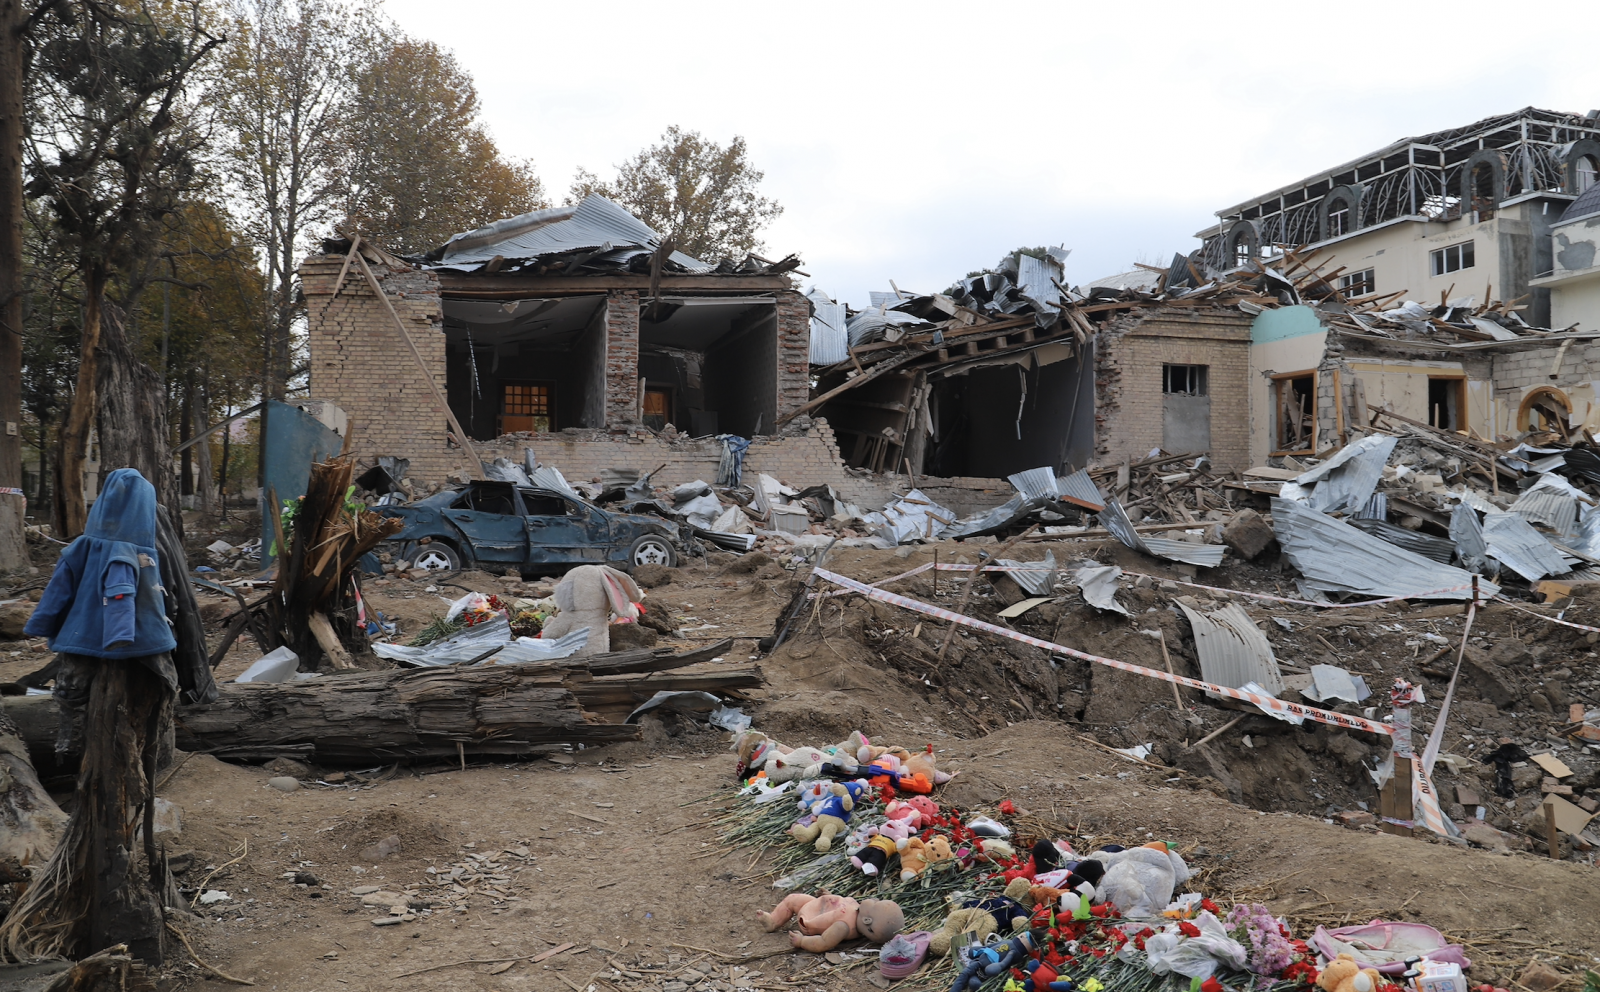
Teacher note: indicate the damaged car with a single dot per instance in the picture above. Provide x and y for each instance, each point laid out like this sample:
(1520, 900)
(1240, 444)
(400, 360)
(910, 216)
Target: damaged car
(536, 531)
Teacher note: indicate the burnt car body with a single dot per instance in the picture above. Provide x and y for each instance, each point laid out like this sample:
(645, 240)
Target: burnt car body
(536, 531)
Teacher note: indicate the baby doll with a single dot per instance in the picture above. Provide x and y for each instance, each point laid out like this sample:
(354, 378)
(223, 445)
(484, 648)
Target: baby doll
(827, 919)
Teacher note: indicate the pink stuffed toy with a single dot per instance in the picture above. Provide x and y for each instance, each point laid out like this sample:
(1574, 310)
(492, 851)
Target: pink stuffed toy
(918, 810)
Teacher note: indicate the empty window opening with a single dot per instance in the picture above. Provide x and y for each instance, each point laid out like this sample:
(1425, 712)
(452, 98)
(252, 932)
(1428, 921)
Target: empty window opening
(525, 406)
(709, 364)
(1184, 380)
(1295, 400)
(1545, 409)
(1241, 250)
(1585, 171)
(1483, 198)
(1339, 220)
(1358, 284)
(1451, 259)
(1447, 403)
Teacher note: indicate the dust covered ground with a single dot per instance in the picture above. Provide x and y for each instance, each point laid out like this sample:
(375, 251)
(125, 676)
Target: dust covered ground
(612, 851)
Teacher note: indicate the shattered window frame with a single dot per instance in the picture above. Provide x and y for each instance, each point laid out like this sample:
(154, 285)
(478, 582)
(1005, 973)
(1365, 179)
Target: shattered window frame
(1357, 284)
(1280, 382)
(1339, 220)
(1189, 380)
(1452, 258)
(1585, 170)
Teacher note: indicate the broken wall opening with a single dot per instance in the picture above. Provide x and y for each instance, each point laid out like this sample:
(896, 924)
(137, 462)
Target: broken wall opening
(708, 365)
(1295, 403)
(994, 420)
(534, 365)
(1447, 402)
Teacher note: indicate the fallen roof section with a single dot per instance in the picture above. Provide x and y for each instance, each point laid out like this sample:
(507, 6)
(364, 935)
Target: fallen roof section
(1338, 558)
(1232, 649)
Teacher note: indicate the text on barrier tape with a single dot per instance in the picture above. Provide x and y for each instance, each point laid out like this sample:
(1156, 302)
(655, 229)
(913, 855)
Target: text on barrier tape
(1267, 702)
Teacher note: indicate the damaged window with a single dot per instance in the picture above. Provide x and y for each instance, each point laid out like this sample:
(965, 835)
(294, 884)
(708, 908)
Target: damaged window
(1585, 171)
(1184, 380)
(1451, 259)
(525, 406)
(657, 407)
(1358, 283)
(1295, 399)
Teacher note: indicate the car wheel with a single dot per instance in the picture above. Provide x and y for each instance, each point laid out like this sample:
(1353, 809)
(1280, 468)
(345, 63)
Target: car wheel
(436, 557)
(650, 550)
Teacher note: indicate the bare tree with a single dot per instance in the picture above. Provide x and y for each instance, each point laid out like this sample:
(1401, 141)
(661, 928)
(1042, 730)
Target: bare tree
(283, 94)
(699, 193)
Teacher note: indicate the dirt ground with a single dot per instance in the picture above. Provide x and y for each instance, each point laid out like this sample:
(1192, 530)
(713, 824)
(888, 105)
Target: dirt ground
(611, 850)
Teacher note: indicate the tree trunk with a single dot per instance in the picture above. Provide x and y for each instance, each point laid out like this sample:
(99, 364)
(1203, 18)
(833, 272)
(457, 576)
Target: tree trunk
(71, 509)
(13, 548)
(92, 895)
(30, 821)
(185, 432)
(419, 714)
(202, 451)
(133, 416)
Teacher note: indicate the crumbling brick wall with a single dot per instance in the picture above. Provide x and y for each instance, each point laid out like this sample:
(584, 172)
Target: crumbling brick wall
(1518, 373)
(622, 356)
(1129, 355)
(361, 364)
(794, 352)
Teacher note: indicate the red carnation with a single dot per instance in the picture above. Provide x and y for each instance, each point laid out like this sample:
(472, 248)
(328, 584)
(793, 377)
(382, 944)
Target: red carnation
(1213, 908)
(1008, 807)
(1188, 929)
(1211, 985)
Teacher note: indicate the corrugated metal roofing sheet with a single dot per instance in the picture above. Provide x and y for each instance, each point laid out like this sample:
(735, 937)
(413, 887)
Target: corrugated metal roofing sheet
(1115, 519)
(1551, 506)
(1336, 557)
(1345, 481)
(593, 223)
(1080, 489)
(1467, 531)
(1232, 649)
(1515, 544)
(1037, 578)
(828, 337)
(1035, 483)
(1426, 545)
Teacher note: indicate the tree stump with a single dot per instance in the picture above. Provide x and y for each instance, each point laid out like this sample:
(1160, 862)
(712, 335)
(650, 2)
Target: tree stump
(92, 894)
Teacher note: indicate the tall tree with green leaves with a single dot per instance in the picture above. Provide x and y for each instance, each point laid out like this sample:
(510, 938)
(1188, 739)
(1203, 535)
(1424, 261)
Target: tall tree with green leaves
(700, 194)
(112, 153)
(422, 166)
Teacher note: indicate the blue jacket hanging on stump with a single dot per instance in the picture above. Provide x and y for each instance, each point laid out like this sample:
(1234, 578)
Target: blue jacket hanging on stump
(105, 598)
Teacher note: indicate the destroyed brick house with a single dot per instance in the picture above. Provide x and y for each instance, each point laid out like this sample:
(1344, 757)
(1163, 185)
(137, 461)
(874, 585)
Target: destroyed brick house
(577, 333)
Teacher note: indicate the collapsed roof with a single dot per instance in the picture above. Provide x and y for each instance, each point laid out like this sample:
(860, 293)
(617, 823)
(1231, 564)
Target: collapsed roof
(594, 236)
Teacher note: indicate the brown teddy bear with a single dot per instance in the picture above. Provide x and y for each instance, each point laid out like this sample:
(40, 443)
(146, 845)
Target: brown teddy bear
(918, 855)
(959, 922)
(1343, 975)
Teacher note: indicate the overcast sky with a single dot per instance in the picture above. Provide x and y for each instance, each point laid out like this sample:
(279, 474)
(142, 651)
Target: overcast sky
(916, 142)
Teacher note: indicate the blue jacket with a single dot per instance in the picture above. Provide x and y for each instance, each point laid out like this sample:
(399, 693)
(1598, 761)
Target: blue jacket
(105, 597)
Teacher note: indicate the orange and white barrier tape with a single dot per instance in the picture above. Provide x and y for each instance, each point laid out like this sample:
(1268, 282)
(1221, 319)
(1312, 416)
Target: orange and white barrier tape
(1424, 795)
(1565, 623)
(1259, 699)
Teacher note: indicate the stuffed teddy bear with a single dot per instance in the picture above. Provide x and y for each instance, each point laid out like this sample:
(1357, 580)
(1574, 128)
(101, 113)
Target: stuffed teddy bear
(923, 763)
(919, 855)
(960, 921)
(827, 919)
(832, 815)
(1140, 880)
(588, 596)
(1343, 975)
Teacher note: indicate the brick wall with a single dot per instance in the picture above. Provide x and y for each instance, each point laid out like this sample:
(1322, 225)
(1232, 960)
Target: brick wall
(622, 356)
(1518, 373)
(359, 361)
(1129, 355)
(794, 351)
